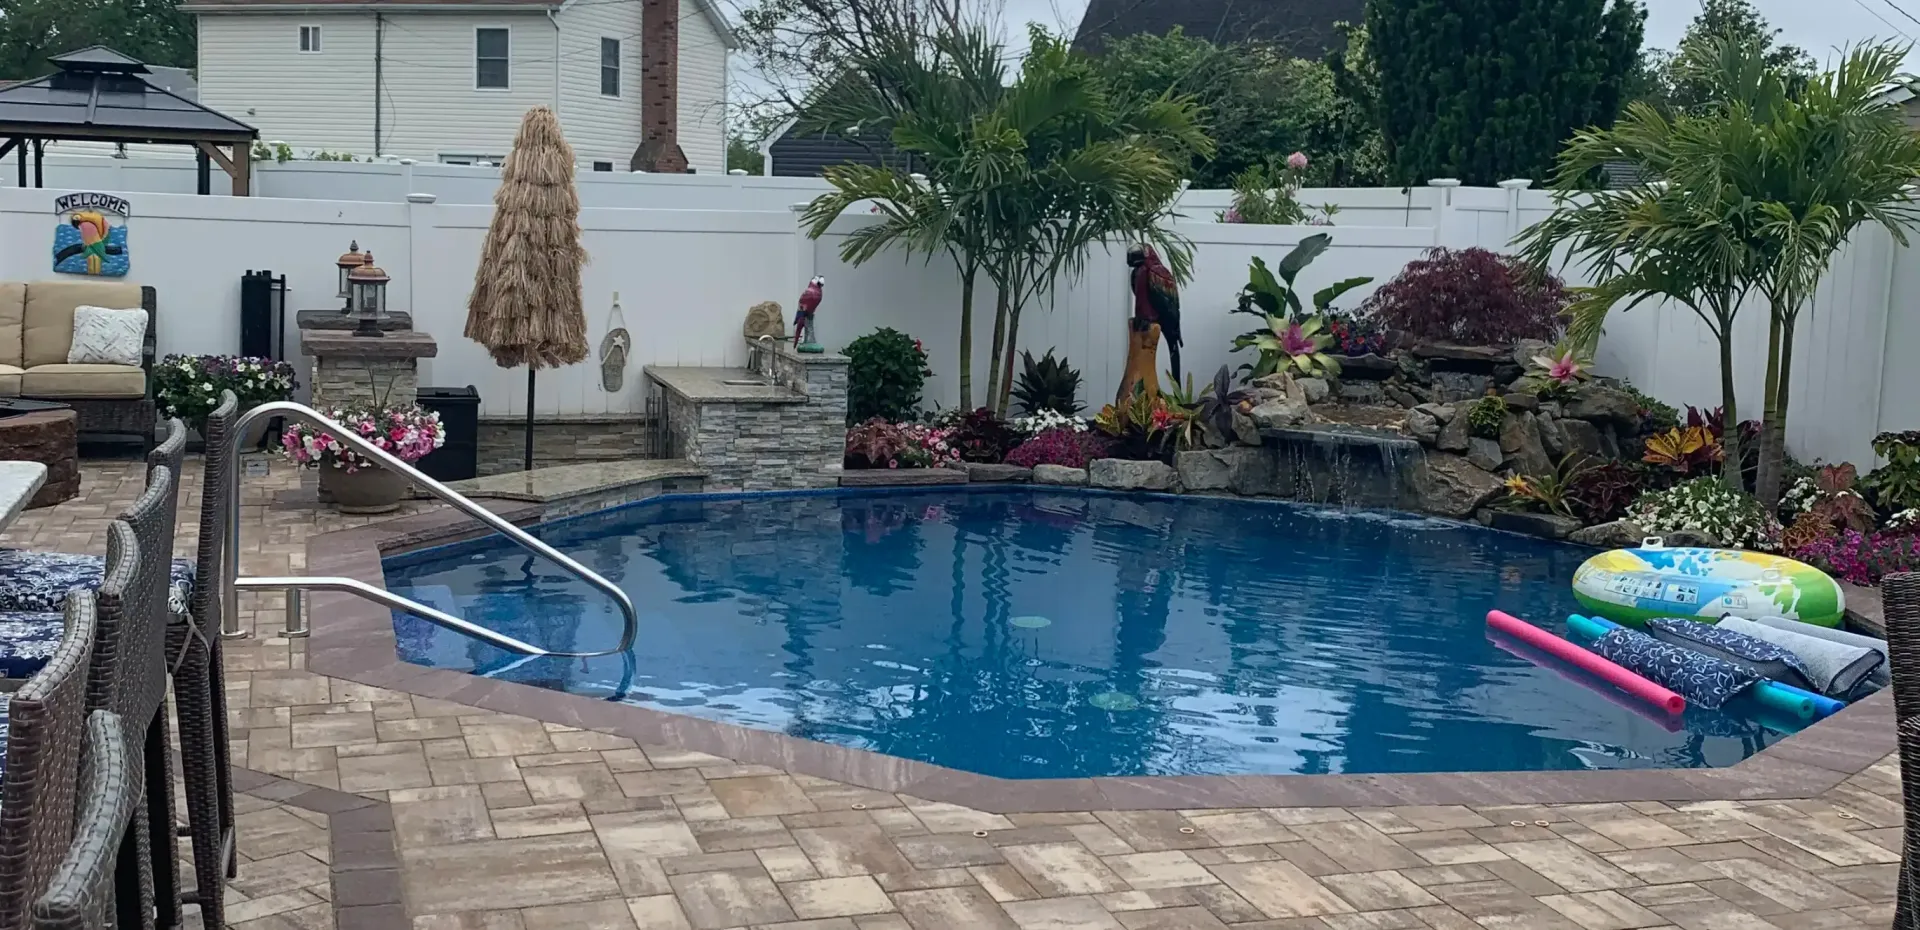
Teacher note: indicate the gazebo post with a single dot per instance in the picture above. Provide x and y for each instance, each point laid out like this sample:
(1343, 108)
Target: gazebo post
(39, 154)
(22, 159)
(202, 171)
(242, 169)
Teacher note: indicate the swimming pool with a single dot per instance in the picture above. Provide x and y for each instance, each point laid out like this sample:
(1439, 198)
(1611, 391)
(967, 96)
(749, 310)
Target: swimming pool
(1044, 634)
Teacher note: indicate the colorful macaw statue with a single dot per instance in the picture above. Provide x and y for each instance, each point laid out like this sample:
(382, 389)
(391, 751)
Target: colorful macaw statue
(93, 237)
(1156, 312)
(803, 319)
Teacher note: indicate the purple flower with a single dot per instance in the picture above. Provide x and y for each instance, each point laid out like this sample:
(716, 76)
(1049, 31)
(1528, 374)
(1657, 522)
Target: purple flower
(1297, 161)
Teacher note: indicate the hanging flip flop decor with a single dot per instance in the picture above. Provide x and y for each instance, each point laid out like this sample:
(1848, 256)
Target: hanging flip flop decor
(615, 346)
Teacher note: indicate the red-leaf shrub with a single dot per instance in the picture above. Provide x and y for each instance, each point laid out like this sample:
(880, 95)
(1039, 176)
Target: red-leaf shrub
(1471, 296)
(983, 437)
(1061, 446)
(1603, 493)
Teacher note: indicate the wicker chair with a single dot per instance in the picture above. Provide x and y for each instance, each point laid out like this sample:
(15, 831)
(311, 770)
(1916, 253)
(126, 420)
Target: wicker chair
(1901, 593)
(42, 765)
(89, 889)
(199, 687)
(129, 677)
(170, 454)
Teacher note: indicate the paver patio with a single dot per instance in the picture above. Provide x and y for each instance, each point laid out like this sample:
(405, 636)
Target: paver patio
(368, 808)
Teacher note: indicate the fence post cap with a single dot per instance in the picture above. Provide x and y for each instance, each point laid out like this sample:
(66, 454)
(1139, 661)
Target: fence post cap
(422, 198)
(1516, 184)
(798, 207)
(408, 161)
(737, 172)
(1444, 182)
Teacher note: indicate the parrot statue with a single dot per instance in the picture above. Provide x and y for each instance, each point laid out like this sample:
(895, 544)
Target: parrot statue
(1156, 299)
(809, 302)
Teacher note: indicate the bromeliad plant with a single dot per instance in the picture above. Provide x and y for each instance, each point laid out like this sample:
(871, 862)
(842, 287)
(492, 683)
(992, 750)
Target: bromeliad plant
(1143, 429)
(1294, 346)
(1555, 375)
(1290, 338)
(189, 386)
(407, 432)
(1551, 492)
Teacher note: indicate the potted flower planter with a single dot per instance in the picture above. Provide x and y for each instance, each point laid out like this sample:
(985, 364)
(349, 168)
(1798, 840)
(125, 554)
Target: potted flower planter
(369, 489)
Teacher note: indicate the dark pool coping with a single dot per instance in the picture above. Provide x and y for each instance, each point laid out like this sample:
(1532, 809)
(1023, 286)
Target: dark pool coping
(353, 639)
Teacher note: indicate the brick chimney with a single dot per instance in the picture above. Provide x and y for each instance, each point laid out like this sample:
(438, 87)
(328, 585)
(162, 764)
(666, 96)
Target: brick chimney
(659, 150)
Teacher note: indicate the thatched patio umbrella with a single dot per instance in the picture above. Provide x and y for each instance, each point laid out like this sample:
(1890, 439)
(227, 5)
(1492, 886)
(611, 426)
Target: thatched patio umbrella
(525, 306)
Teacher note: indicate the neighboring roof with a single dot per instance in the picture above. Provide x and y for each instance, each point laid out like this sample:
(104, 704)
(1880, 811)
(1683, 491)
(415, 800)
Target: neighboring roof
(98, 93)
(176, 81)
(1303, 27)
(1621, 174)
(707, 8)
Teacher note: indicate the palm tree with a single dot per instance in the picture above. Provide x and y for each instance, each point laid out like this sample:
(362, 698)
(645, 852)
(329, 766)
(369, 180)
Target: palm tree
(1020, 179)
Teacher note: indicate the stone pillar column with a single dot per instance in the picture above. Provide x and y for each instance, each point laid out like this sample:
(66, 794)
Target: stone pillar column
(351, 370)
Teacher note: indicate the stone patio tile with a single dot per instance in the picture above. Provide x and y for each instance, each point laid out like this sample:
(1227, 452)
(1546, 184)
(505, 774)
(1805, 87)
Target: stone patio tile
(1834, 846)
(492, 874)
(836, 897)
(551, 783)
(786, 864)
(939, 817)
(505, 736)
(839, 852)
(1378, 891)
(384, 772)
(440, 822)
(332, 730)
(1061, 914)
(470, 920)
(1159, 870)
(1280, 889)
(1713, 915)
(1241, 828)
(1790, 887)
(1358, 847)
(1568, 865)
(1660, 866)
(1603, 910)
(947, 850)
(658, 912)
(539, 820)
(741, 833)
(612, 914)
(952, 909)
(760, 796)
(1099, 839)
(1061, 869)
(719, 900)
(1173, 918)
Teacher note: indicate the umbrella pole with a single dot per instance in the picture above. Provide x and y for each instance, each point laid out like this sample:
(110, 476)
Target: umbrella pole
(529, 456)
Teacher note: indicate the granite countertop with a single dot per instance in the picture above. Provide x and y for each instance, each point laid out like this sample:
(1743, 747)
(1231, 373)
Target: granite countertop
(564, 481)
(19, 481)
(708, 385)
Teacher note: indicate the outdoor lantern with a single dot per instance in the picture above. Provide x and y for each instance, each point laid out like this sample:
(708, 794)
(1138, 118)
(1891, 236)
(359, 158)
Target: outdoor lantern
(367, 285)
(346, 263)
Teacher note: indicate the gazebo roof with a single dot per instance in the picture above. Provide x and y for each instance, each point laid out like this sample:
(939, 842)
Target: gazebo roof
(98, 93)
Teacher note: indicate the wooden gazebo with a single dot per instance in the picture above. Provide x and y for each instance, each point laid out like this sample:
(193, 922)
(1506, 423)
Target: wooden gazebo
(99, 95)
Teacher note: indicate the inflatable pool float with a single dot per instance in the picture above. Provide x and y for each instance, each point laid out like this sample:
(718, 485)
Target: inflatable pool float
(1632, 586)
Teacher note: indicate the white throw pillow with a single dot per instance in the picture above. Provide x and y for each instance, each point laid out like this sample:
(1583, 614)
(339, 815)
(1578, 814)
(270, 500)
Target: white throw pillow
(107, 337)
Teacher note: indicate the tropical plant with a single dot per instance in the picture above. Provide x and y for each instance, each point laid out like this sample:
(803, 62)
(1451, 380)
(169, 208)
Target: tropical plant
(1603, 493)
(1554, 375)
(1706, 505)
(1472, 297)
(1269, 195)
(1048, 384)
(885, 372)
(1267, 295)
(1487, 90)
(1689, 451)
(1295, 346)
(1654, 415)
(1069, 448)
(981, 436)
(1746, 438)
(1896, 484)
(189, 386)
(1022, 179)
(1836, 500)
(1210, 416)
(1143, 429)
(1485, 415)
(408, 432)
(1551, 492)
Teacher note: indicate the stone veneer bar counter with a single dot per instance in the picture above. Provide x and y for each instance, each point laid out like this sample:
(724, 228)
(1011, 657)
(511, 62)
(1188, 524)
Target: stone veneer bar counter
(754, 432)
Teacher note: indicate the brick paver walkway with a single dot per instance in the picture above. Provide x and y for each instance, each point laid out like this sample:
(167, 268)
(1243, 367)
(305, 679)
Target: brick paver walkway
(506, 823)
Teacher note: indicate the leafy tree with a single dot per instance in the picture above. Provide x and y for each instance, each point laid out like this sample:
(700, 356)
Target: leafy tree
(1258, 103)
(153, 31)
(1671, 80)
(1485, 90)
(745, 154)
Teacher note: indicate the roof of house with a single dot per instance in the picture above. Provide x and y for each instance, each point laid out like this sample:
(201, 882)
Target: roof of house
(707, 8)
(98, 93)
(1303, 27)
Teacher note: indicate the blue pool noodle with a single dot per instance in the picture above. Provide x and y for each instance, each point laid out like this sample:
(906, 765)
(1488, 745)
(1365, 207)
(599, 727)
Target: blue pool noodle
(1768, 693)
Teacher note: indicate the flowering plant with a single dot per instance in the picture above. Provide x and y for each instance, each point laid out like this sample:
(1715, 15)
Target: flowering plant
(1141, 429)
(1269, 195)
(880, 444)
(1707, 505)
(981, 436)
(189, 386)
(1072, 448)
(1354, 334)
(407, 432)
(1554, 375)
(1047, 419)
(1862, 558)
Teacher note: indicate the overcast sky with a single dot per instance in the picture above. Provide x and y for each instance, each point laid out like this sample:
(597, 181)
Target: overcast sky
(1819, 26)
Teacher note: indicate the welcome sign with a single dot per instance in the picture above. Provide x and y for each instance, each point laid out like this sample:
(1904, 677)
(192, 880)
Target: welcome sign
(91, 236)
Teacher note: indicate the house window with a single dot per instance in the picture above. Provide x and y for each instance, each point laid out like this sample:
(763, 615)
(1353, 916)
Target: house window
(309, 38)
(490, 59)
(603, 166)
(610, 67)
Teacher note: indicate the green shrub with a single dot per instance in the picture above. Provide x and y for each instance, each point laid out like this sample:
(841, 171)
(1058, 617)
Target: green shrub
(1707, 505)
(1486, 415)
(885, 375)
(1896, 485)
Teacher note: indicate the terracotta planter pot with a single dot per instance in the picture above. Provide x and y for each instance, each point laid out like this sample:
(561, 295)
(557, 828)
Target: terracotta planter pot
(367, 490)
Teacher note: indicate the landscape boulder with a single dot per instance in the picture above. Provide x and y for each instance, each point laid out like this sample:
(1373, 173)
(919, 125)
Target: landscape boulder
(1485, 454)
(1423, 423)
(1543, 525)
(1619, 534)
(1454, 435)
(998, 474)
(1204, 470)
(1602, 403)
(1316, 389)
(1450, 486)
(1520, 441)
(1130, 475)
(1059, 474)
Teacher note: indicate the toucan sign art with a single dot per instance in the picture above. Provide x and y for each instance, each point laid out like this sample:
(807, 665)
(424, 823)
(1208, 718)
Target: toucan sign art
(91, 238)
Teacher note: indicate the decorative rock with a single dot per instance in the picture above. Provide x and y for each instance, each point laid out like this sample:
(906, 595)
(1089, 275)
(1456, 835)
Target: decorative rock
(1694, 538)
(1454, 436)
(1580, 436)
(1130, 475)
(1245, 430)
(1481, 357)
(980, 473)
(1423, 425)
(1599, 402)
(1620, 534)
(1551, 437)
(1203, 470)
(1402, 396)
(1059, 474)
(1520, 440)
(1543, 525)
(1363, 392)
(1523, 401)
(1316, 389)
(898, 477)
(1283, 411)
(1524, 350)
(1252, 470)
(765, 319)
(1442, 413)
(1451, 486)
(1453, 386)
(1367, 367)
(1485, 454)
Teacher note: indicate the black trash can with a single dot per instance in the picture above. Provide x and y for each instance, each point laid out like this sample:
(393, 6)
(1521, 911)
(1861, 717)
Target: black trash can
(459, 410)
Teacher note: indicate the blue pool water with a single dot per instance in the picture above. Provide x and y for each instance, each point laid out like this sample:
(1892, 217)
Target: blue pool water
(1029, 634)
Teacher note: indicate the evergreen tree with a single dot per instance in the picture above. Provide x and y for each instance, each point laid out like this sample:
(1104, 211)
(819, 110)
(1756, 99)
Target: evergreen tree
(153, 31)
(1485, 90)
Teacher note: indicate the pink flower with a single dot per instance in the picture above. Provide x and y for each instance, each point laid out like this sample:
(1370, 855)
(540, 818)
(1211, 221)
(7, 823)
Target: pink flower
(1566, 368)
(1232, 216)
(1295, 342)
(1297, 161)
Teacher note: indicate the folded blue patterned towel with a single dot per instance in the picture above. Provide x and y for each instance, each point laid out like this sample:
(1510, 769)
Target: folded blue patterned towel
(1702, 679)
(1763, 658)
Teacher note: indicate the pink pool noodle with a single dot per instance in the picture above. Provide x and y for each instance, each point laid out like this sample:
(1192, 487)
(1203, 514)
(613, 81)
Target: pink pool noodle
(1658, 716)
(1574, 655)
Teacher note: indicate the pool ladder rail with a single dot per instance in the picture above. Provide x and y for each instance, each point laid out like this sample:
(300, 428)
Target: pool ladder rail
(294, 585)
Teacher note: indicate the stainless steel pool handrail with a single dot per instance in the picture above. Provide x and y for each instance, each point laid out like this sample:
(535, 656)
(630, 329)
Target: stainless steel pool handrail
(231, 582)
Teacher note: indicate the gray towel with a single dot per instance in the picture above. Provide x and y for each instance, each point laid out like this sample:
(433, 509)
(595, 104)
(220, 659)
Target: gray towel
(1836, 666)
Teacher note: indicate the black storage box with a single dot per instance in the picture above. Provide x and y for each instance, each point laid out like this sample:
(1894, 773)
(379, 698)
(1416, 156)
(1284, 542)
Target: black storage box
(459, 410)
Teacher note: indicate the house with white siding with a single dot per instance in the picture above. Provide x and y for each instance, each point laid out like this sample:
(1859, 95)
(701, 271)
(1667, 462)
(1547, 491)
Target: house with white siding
(634, 81)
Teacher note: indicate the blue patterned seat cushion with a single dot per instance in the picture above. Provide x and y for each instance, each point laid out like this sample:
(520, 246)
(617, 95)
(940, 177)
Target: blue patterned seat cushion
(37, 582)
(1702, 679)
(27, 641)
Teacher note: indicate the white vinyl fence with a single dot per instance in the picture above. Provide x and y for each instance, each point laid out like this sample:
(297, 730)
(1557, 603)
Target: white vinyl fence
(686, 273)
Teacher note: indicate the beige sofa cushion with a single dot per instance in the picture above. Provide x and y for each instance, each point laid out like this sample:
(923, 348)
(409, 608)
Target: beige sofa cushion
(49, 314)
(9, 381)
(13, 311)
(64, 380)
